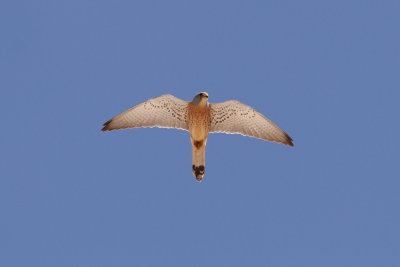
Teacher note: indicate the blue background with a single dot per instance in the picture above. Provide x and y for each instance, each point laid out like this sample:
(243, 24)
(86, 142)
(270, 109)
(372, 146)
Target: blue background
(327, 72)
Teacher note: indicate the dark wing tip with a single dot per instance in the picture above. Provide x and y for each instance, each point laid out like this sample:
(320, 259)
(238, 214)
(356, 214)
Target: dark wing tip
(289, 140)
(106, 126)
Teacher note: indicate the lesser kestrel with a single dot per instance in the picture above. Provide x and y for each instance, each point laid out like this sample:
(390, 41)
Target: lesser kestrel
(199, 118)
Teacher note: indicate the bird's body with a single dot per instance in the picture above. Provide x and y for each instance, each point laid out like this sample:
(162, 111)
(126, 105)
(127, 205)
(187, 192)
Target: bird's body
(199, 118)
(199, 126)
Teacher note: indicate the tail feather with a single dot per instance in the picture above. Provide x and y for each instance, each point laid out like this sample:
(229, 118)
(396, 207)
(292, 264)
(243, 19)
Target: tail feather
(198, 160)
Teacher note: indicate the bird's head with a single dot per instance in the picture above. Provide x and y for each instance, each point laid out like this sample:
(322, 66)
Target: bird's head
(200, 99)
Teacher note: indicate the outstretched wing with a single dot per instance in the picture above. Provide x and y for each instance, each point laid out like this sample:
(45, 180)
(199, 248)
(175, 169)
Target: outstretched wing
(165, 111)
(234, 117)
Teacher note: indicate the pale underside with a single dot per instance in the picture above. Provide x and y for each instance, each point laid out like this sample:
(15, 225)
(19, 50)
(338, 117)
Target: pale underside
(165, 111)
(233, 117)
(230, 117)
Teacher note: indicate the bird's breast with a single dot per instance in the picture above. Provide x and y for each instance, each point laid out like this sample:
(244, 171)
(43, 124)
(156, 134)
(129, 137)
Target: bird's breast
(198, 121)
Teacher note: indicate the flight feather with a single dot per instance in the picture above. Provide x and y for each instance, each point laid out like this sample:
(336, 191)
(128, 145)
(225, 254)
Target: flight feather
(235, 117)
(165, 111)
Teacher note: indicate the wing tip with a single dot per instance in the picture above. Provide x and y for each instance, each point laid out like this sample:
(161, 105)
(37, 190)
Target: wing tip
(106, 126)
(289, 140)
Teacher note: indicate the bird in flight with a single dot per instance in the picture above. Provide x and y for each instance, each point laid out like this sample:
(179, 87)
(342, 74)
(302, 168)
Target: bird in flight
(199, 118)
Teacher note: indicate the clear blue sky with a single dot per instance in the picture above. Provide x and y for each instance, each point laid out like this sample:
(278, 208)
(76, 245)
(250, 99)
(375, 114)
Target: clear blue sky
(327, 72)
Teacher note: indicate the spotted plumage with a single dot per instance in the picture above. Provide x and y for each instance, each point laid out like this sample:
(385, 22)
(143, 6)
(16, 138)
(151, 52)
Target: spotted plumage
(199, 118)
